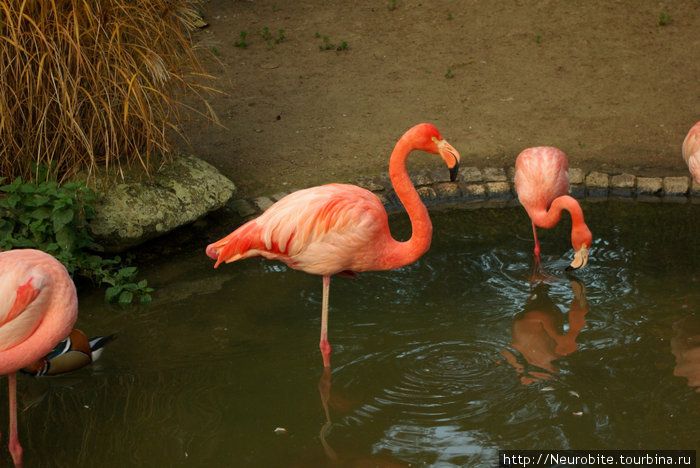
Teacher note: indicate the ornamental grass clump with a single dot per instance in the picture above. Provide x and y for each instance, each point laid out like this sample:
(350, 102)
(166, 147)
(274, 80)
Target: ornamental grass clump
(93, 86)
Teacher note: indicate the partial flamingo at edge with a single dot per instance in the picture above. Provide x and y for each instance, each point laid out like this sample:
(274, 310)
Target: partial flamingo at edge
(691, 151)
(38, 309)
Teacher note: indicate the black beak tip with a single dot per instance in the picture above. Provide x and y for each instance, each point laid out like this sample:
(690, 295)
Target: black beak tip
(453, 172)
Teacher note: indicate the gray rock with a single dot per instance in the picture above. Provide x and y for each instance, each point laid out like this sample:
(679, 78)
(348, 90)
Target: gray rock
(649, 185)
(676, 186)
(576, 176)
(128, 214)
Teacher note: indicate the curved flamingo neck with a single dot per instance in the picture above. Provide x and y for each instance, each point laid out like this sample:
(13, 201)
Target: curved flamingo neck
(399, 253)
(549, 218)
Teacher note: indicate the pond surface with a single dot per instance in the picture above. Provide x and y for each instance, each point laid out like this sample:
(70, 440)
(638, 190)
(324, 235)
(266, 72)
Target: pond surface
(440, 363)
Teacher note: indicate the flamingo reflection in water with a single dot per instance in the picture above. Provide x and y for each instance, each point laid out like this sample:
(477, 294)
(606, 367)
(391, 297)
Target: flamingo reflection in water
(333, 401)
(538, 332)
(685, 346)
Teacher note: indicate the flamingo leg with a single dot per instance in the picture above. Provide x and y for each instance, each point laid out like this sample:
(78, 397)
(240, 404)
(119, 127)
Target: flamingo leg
(537, 243)
(324, 345)
(15, 447)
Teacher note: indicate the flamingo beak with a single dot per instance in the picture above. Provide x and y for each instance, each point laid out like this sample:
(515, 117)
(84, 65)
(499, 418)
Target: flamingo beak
(451, 158)
(580, 259)
(453, 172)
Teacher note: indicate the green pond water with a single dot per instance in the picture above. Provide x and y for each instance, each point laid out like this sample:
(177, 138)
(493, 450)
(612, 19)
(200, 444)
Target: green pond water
(440, 363)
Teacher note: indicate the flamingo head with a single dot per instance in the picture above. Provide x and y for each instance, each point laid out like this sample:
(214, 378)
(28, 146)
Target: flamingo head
(581, 240)
(427, 138)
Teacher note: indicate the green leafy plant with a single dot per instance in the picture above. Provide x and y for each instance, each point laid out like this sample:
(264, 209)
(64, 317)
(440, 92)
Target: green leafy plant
(391, 6)
(664, 19)
(54, 218)
(449, 74)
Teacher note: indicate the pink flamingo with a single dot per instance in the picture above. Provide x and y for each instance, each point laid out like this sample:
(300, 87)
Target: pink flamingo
(542, 181)
(691, 151)
(341, 229)
(39, 307)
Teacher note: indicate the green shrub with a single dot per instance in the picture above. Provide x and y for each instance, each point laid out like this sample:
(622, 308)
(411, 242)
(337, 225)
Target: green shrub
(54, 218)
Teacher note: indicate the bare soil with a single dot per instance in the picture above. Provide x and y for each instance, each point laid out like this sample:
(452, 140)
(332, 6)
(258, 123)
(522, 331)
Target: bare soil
(615, 84)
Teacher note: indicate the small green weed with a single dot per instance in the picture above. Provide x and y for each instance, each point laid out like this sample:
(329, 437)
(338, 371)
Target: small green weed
(392, 6)
(449, 16)
(270, 39)
(215, 51)
(581, 144)
(54, 218)
(664, 19)
(449, 74)
(538, 38)
(242, 42)
(328, 45)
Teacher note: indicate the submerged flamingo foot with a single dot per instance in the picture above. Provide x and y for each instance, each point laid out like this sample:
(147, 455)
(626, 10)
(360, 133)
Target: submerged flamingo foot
(325, 352)
(16, 451)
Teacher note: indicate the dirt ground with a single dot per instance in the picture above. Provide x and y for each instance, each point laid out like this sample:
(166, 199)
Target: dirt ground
(615, 84)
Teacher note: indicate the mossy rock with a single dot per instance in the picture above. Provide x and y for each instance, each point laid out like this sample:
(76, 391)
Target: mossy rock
(184, 190)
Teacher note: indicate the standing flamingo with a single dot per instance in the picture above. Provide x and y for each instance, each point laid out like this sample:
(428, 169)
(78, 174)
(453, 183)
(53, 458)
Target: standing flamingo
(691, 151)
(341, 229)
(542, 181)
(38, 308)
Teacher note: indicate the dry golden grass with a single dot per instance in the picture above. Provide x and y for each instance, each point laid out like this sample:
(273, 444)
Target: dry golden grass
(92, 85)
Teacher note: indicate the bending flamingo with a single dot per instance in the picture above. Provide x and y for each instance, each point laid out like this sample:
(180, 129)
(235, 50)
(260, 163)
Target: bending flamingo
(38, 307)
(542, 181)
(691, 151)
(341, 229)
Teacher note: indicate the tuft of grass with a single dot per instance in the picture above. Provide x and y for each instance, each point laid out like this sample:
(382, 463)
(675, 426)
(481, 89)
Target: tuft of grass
(91, 86)
(449, 74)
(664, 19)
(391, 6)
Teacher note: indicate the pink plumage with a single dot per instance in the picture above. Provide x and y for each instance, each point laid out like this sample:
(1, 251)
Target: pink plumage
(38, 309)
(541, 175)
(542, 182)
(320, 230)
(691, 151)
(339, 228)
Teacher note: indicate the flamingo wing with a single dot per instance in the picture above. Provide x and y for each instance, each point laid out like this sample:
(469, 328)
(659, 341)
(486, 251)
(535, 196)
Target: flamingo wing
(321, 230)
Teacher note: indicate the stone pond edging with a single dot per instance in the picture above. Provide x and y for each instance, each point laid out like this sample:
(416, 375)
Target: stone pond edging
(493, 186)
(197, 197)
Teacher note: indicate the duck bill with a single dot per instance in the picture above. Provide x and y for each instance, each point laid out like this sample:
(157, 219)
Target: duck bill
(580, 259)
